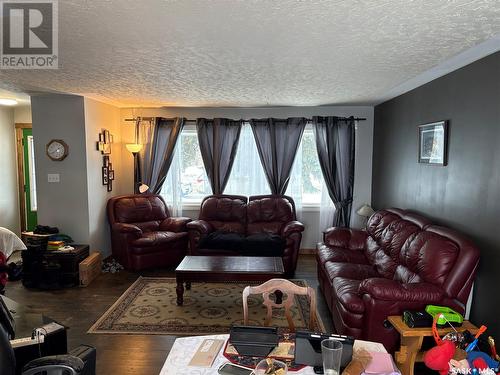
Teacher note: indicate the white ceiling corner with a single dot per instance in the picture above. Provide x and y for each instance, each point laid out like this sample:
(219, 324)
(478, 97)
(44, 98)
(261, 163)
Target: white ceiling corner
(258, 53)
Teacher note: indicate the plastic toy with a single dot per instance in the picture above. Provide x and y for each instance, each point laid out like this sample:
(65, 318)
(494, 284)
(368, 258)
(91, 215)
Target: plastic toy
(444, 315)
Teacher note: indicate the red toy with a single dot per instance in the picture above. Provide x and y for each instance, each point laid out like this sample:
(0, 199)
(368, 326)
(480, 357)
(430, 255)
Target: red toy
(438, 357)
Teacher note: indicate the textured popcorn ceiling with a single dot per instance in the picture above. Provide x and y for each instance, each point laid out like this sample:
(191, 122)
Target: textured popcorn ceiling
(253, 53)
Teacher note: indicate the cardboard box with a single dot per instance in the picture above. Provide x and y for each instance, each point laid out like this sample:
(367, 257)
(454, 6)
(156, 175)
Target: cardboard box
(90, 268)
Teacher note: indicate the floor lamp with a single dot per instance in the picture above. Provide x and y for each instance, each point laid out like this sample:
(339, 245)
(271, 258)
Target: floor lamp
(134, 148)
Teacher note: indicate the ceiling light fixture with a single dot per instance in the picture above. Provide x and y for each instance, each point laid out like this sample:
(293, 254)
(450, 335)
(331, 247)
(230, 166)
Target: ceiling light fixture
(5, 101)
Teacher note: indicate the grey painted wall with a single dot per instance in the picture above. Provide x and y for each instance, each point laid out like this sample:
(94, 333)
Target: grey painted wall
(464, 195)
(310, 217)
(9, 197)
(62, 204)
(77, 204)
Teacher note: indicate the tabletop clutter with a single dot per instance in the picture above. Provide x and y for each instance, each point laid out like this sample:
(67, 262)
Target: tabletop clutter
(459, 352)
(266, 350)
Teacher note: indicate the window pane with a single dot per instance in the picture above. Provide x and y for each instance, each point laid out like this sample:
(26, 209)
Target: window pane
(312, 178)
(194, 180)
(247, 176)
(186, 181)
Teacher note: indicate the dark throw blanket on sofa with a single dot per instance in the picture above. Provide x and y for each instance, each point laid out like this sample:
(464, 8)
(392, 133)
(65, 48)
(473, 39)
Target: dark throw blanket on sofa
(261, 244)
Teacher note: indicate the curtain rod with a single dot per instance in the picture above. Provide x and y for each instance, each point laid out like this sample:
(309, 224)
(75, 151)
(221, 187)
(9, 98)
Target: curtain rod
(188, 120)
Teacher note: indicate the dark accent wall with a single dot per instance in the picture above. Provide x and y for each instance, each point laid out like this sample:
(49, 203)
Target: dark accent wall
(465, 195)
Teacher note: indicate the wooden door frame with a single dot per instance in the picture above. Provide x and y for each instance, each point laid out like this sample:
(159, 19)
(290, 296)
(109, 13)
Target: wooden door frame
(20, 172)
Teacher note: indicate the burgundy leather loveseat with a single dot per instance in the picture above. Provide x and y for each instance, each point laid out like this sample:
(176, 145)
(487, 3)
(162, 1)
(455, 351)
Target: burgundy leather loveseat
(248, 217)
(401, 262)
(143, 234)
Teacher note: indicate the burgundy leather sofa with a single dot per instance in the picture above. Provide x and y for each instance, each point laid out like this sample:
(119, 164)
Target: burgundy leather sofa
(258, 214)
(143, 234)
(401, 262)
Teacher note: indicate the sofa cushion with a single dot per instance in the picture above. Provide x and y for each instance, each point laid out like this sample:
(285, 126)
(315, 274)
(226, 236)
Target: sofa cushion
(154, 239)
(226, 213)
(338, 254)
(428, 257)
(223, 240)
(140, 208)
(350, 270)
(268, 214)
(345, 290)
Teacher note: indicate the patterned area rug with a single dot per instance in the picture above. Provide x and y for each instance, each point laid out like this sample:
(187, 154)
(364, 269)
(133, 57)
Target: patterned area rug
(149, 307)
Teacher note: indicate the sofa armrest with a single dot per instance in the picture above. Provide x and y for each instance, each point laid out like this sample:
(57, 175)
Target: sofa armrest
(353, 239)
(391, 290)
(175, 224)
(291, 227)
(127, 228)
(200, 226)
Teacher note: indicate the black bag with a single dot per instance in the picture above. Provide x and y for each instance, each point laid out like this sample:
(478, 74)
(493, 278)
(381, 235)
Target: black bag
(308, 348)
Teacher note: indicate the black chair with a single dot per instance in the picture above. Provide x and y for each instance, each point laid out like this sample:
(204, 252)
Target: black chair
(80, 361)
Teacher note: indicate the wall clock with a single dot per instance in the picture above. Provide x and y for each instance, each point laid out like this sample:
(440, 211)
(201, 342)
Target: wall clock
(57, 149)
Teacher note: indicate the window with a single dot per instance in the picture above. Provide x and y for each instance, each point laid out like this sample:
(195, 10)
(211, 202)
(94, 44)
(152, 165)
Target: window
(187, 182)
(247, 176)
(307, 163)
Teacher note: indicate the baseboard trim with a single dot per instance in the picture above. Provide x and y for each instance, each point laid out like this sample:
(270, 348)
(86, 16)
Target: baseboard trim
(307, 251)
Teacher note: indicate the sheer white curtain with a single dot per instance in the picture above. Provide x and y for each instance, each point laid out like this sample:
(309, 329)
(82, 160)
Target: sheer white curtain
(326, 211)
(171, 189)
(247, 176)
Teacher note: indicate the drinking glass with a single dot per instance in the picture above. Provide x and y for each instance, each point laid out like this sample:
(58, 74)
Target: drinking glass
(332, 355)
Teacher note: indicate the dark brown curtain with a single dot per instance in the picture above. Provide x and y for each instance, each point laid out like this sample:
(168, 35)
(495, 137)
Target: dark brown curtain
(277, 142)
(335, 144)
(218, 139)
(159, 141)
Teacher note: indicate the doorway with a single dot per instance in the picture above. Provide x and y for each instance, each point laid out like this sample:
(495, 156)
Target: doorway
(26, 176)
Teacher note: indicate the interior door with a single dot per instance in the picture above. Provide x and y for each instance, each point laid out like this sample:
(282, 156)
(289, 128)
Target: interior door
(27, 182)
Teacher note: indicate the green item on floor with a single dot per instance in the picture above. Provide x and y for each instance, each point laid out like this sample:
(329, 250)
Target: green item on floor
(445, 315)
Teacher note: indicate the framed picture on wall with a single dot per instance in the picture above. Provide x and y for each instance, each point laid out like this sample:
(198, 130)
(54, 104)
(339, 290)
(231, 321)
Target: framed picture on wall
(433, 143)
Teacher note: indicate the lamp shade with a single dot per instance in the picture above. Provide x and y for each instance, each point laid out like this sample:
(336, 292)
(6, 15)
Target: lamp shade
(143, 188)
(365, 211)
(133, 147)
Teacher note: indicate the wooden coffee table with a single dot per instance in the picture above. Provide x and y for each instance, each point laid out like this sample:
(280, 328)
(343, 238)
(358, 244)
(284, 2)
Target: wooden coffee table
(225, 268)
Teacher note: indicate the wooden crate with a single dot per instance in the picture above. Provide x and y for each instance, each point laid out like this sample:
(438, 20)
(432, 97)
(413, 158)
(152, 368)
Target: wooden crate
(90, 268)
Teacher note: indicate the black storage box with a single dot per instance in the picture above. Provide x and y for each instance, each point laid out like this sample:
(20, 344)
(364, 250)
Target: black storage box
(254, 341)
(417, 319)
(53, 269)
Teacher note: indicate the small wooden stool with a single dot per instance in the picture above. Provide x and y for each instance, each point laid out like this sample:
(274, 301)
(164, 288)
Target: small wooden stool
(411, 342)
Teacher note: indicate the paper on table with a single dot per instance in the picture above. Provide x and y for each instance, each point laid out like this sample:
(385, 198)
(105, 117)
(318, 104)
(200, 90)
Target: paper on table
(206, 353)
(381, 363)
(369, 346)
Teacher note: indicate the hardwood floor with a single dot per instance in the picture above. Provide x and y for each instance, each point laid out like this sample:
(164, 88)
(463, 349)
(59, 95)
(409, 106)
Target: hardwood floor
(79, 308)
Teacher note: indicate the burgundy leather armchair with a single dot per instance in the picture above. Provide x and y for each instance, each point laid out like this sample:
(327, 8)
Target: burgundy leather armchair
(143, 234)
(401, 262)
(270, 214)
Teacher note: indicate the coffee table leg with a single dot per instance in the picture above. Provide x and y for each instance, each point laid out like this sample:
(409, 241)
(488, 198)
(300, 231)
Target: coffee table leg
(180, 292)
(188, 285)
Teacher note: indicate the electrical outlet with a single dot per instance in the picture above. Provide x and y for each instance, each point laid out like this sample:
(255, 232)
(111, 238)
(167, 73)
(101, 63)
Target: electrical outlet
(53, 177)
